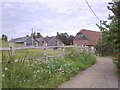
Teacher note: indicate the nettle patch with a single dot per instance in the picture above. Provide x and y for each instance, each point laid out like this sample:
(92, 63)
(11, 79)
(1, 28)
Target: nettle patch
(38, 74)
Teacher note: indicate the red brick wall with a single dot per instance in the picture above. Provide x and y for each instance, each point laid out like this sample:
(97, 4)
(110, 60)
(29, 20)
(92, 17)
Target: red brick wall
(80, 42)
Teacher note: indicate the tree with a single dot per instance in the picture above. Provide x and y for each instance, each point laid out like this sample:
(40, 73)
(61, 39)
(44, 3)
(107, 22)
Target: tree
(111, 34)
(4, 37)
(27, 35)
(114, 31)
(65, 38)
(39, 35)
(36, 35)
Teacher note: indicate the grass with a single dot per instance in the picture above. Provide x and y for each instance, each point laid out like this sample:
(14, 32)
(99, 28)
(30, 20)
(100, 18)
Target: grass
(31, 53)
(37, 74)
(5, 44)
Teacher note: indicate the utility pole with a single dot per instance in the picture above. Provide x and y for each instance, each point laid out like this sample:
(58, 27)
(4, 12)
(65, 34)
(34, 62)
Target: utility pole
(32, 36)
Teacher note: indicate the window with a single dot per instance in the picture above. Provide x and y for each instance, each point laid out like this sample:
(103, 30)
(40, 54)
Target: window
(56, 43)
(42, 41)
(80, 35)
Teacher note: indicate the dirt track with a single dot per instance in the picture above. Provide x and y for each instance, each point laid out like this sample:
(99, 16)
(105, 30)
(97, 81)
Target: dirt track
(100, 75)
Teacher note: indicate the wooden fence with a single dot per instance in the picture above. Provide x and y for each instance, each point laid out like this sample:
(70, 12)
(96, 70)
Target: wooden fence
(11, 49)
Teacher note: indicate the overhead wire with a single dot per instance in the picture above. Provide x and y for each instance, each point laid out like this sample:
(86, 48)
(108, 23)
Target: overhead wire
(92, 10)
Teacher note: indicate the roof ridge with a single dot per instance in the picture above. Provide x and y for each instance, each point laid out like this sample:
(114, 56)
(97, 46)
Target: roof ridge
(89, 30)
(21, 37)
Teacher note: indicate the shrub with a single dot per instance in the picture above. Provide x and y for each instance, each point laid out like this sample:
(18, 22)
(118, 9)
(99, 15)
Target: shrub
(116, 60)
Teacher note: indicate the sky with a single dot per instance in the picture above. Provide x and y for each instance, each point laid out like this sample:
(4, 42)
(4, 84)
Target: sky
(50, 16)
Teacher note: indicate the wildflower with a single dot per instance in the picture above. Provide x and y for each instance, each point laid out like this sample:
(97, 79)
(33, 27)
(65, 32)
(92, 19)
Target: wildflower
(60, 69)
(28, 65)
(3, 75)
(48, 66)
(49, 72)
(38, 70)
(34, 75)
(42, 70)
(6, 68)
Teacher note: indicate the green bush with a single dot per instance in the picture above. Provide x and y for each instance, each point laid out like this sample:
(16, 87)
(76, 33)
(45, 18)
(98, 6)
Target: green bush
(116, 60)
(38, 74)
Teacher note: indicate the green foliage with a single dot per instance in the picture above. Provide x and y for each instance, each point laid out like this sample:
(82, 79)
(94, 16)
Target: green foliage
(110, 32)
(37, 35)
(4, 37)
(65, 38)
(114, 30)
(110, 41)
(38, 74)
(105, 47)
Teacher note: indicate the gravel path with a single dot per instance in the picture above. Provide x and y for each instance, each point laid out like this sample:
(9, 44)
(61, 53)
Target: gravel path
(100, 75)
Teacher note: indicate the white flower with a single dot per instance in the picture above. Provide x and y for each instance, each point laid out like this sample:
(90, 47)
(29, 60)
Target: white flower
(3, 75)
(47, 66)
(38, 70)
(34, 75)
(60, 69)
(6, 68)
(49, 72)
(28, 65)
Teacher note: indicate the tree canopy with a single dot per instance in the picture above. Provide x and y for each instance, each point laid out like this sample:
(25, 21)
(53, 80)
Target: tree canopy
(37, 35)
(4, 37)
(109, 44)
(110, 41)
(66, 38)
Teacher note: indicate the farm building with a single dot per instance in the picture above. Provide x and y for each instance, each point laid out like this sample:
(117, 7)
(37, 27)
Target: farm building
(53, 41)
(50, 41)
(86, 38)
(25, 40)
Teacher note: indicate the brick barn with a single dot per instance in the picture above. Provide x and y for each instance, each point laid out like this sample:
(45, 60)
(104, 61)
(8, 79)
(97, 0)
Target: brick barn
(86, 38)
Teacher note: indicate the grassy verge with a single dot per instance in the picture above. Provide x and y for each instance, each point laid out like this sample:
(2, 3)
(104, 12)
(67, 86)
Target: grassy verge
(37, 74)
(30, 54)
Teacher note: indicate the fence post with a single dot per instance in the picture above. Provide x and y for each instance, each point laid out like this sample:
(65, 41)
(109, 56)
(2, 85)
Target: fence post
(77, 47)
(11, 48)
(83, 48)
(63, 51)
(45, 52)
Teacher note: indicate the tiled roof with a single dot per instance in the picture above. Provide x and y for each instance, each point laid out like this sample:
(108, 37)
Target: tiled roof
(47, 38)
(92, 36)
(21, 39)
(39, 39)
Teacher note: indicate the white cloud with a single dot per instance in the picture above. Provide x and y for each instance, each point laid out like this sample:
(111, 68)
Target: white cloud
(51, 1)
(51, 17)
